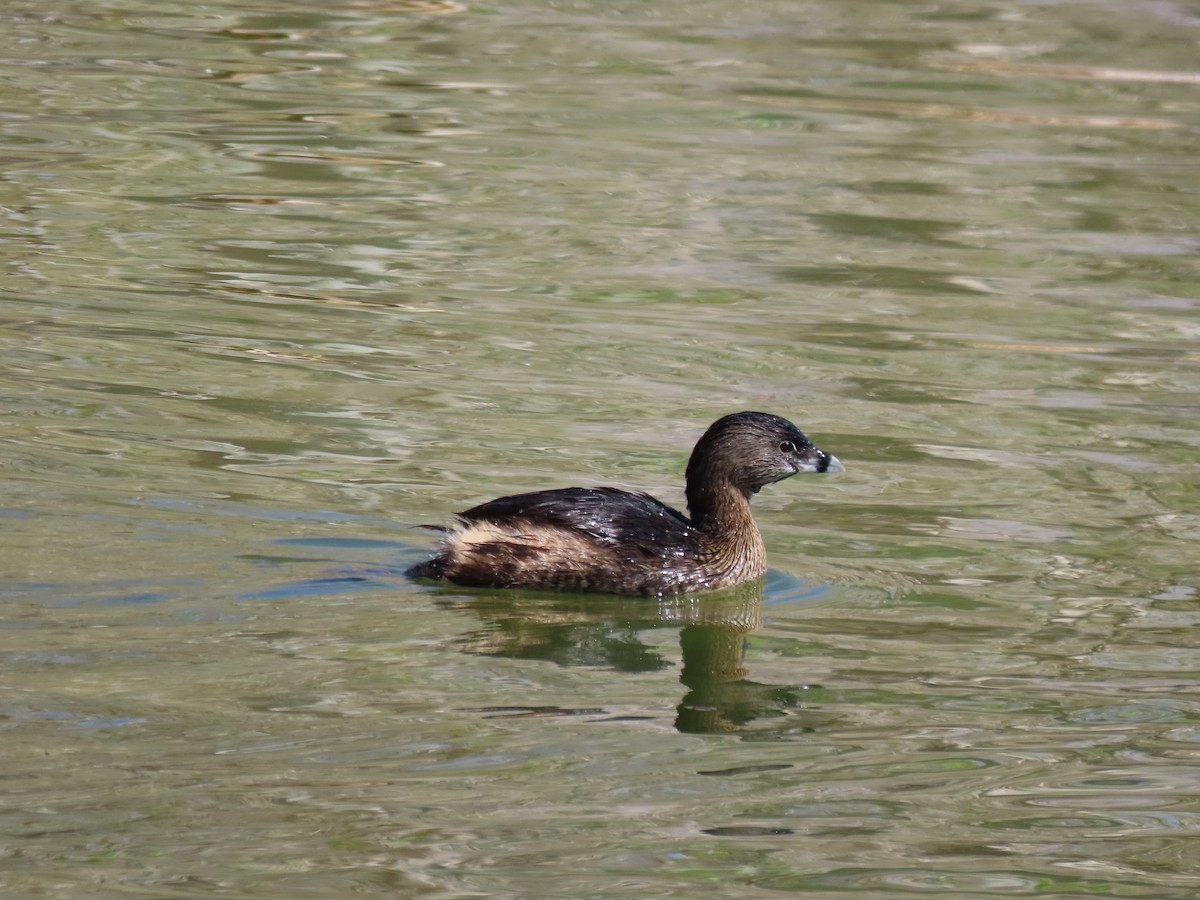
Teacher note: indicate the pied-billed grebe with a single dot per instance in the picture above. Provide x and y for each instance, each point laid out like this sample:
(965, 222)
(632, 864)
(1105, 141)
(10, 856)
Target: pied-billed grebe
(617, 542)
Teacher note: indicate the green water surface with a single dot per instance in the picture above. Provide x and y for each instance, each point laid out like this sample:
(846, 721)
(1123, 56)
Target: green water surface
(284, 280)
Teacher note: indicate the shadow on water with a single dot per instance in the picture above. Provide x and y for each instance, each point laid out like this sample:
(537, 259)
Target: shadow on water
(606, 631)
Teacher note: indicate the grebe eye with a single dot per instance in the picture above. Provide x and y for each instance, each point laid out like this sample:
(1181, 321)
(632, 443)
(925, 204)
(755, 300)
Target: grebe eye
(787, 447)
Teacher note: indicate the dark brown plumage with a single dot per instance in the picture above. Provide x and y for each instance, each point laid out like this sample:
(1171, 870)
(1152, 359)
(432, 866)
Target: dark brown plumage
(613, 541)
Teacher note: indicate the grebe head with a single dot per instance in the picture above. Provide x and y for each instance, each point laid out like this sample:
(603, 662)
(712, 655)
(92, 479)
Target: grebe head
(752, 449)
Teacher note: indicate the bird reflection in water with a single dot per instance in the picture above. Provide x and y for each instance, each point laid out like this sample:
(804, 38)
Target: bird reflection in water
(573, 630)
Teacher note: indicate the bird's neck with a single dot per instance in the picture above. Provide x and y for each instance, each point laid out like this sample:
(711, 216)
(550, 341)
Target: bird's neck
(731, 538)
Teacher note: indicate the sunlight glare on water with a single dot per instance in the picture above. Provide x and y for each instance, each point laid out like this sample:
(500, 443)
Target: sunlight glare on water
(286, 281)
